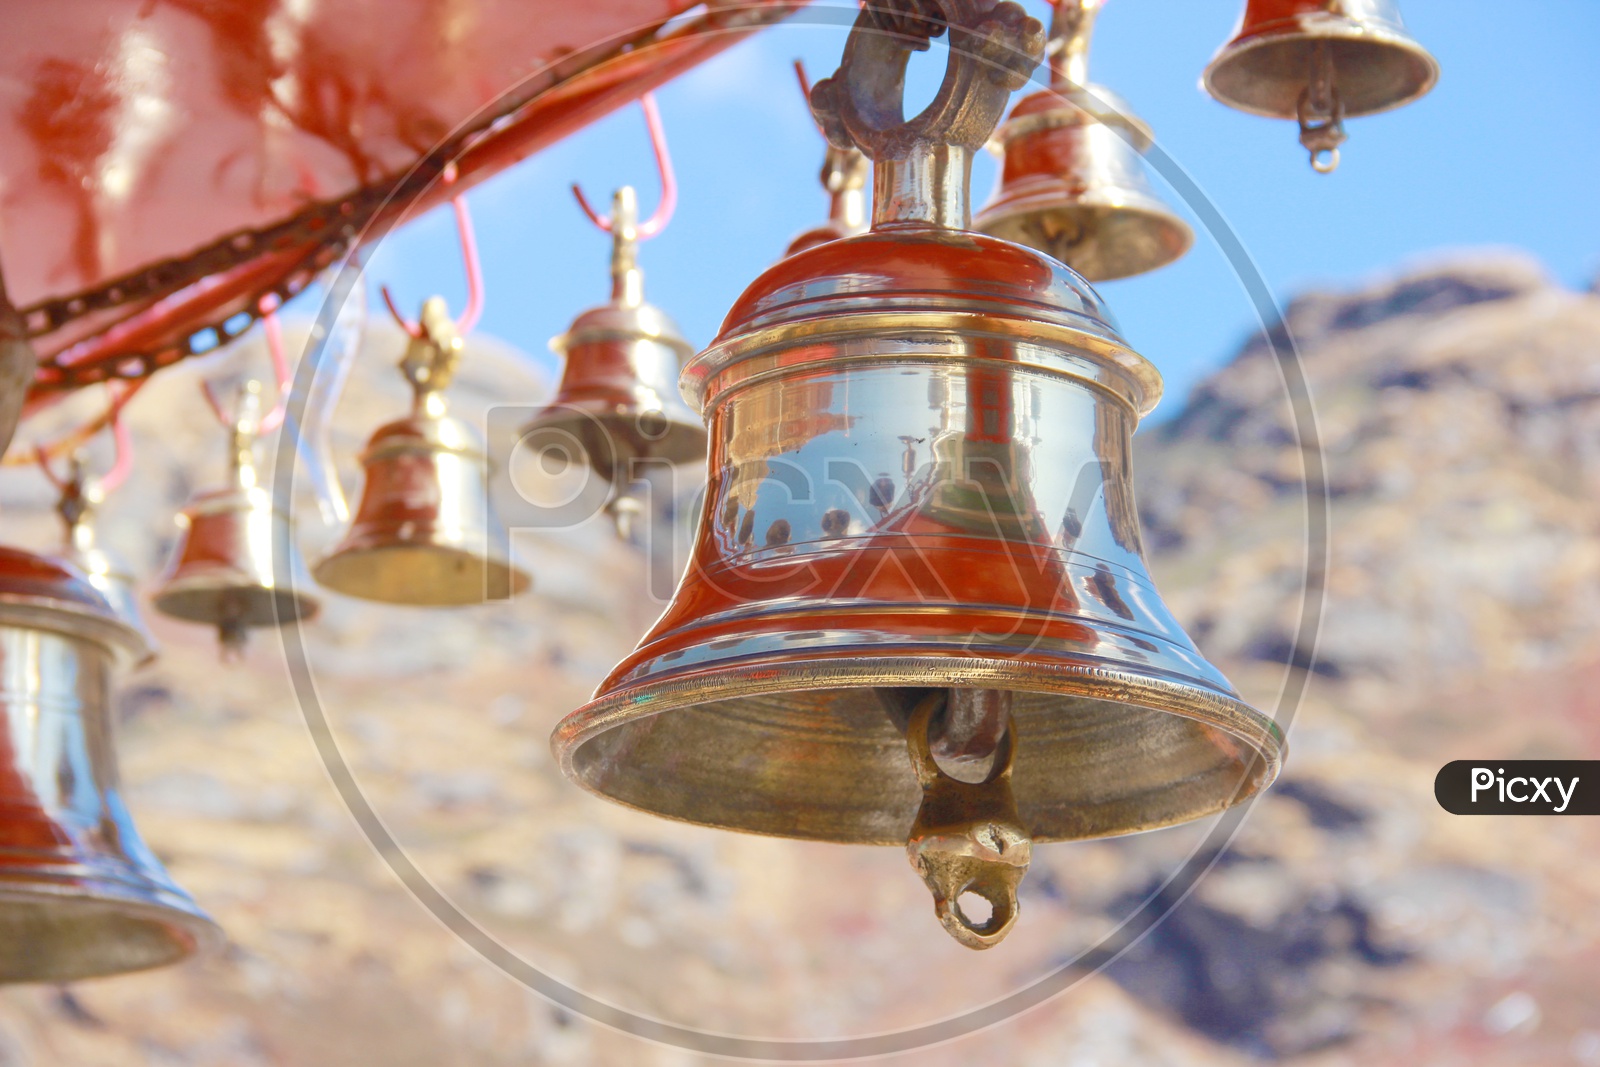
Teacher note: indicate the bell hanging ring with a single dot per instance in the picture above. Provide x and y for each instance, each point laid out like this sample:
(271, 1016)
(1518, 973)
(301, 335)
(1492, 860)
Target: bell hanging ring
(222, 572)
(618, 402)
(422, 533)
(917, 611)
(80, 894)
(1072, 181)
(103, 568)
(1318, 62)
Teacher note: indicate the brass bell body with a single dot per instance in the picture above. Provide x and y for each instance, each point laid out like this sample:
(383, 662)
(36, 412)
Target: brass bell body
(421, 534)
(917, 610)
(619, 400)
(1072, 180)
(80, 893)
(904, 497)
(1376, 63)
(221, 572)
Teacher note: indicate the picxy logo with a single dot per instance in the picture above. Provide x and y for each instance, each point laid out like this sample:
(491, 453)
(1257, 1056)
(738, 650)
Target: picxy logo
(1519, 787)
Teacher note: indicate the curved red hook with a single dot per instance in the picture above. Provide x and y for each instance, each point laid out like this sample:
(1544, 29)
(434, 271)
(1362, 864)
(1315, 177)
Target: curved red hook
(669, 181)
(280, 374)
(469, 258)
(121, 465)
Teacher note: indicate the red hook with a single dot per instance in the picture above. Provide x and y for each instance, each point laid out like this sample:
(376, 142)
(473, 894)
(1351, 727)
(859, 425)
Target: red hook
(469, 257)
(280, 374)
(669, 181)
(121, 465)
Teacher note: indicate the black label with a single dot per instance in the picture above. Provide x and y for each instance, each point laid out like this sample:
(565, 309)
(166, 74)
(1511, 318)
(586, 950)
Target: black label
(1519, 787)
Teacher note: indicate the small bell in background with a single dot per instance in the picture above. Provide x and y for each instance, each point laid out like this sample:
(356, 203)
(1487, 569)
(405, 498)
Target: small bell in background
(111, 575)
(917, 611)
(844, 177)
(80, 894)
(619, 401)
(1072, 181)
(222, 573)
(1320, 62)
(422, 532)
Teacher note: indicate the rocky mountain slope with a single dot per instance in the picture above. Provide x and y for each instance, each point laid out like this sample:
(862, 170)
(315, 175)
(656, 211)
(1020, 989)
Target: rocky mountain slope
(1352, 922)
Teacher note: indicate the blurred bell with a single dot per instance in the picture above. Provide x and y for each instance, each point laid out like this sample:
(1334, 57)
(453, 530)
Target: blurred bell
(1319, 61)
(844, 176)
(222, 571)
(1072, 180)
(917, 611)
(107, 571)
(421, 534)
(80, 893)
(619, 402)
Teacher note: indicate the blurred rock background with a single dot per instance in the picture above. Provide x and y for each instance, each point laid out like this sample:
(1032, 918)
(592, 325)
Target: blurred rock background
(1351, 922)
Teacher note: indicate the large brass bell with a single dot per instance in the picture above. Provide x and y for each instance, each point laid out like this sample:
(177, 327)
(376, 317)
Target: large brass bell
(80, 894)
(618, 402)
(222, 572)
(421, 534)
(1072, 181)
(104, 569)
(917, 610)
(1319, 62)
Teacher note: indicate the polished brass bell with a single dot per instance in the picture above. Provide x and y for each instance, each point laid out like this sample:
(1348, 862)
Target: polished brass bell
(618, 402)
(422, 533)
(222, 572)
(1072, 181)
(1319, 62)
(917, 610)
(80, 893)
(108, 572)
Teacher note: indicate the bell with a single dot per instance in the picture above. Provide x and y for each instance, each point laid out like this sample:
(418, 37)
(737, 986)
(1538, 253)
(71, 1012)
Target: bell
(421, 534)
(1319, 61)
(844, 176)
(108, 572)
(221, 573)
(80, 894)
(618, 401)
(917, 610)
(1072, 180)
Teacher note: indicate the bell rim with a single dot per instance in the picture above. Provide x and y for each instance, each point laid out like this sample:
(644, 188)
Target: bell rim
(172, 595)
(1277, 31)
(519, 580)
(684, 441)
(1153, 211)
(76, 621)
(143, 901)
(765, 677)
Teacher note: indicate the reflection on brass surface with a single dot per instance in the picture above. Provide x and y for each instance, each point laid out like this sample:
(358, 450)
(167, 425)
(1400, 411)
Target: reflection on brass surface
(422, 532)
(80, 894)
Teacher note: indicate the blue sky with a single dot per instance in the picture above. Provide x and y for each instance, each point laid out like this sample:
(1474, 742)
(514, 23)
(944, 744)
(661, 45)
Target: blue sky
(1503, 152)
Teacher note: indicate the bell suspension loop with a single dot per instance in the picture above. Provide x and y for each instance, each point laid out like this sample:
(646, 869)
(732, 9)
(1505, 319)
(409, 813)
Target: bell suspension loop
(1071, 27)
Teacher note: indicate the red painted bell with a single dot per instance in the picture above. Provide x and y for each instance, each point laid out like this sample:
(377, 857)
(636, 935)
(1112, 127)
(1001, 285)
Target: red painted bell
(80, 893)
(618, 403)
(1320, 61)
(917, 610)
(1072, 181)
(222, 572)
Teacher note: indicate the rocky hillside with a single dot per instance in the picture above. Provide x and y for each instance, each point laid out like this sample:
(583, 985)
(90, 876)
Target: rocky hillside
(1352, 922)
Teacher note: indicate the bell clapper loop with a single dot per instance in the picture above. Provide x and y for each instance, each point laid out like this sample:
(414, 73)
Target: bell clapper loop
(1321, 114)
(968, 838)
